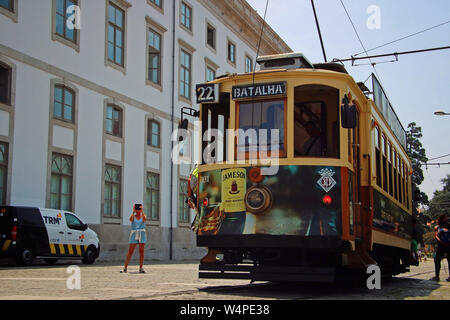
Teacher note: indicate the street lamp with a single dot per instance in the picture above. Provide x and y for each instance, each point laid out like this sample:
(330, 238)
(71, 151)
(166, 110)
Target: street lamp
(441, 113)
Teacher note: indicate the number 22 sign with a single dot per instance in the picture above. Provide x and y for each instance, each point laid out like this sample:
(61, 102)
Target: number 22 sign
(207, 93)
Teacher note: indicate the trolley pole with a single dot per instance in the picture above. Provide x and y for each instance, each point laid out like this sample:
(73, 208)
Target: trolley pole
(318, 30)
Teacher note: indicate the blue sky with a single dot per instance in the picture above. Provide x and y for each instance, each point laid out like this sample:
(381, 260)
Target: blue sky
(417, 85)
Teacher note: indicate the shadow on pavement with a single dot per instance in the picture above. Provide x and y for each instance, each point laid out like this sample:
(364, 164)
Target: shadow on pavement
(391, 289)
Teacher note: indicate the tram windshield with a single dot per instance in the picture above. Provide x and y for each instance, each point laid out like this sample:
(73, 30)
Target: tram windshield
(262, 126)
(316, 118)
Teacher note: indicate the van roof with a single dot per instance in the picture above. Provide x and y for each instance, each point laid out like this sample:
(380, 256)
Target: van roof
(38, 208)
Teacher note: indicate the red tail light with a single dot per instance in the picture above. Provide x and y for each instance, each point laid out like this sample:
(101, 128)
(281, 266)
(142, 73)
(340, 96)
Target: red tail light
(327, 200)
(14, 233)
(205, 202)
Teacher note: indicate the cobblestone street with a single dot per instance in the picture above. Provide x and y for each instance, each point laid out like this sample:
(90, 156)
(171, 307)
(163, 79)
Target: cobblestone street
(179, 281)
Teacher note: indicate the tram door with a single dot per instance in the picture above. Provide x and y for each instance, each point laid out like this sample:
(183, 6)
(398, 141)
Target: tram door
(356, 182)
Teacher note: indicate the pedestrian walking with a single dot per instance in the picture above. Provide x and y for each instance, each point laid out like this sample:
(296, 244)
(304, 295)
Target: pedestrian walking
(137, 237)
(442, 236)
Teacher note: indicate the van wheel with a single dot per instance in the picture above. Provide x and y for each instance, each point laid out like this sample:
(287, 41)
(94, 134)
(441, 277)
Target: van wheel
(90, 256)
(25, 257)
(50, 261)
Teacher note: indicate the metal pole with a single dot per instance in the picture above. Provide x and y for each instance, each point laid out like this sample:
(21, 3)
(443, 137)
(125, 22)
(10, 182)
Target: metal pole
(172, 143)
(318, 29)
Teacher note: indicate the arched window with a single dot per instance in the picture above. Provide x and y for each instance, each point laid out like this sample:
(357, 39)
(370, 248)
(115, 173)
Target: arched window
(61, 182)
(114, 120)
(64, 103)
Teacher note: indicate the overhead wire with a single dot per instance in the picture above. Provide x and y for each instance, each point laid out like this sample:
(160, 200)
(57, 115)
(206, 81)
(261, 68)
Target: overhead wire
(360, 41)
(402, 38)
(439, 157)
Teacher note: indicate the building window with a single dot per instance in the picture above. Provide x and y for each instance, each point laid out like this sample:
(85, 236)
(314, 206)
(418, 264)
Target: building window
(248, 64)
(5, 84)
(186, 16)
(154, 57)
(210, 74)
(231, 52)
(183, 208)
(7, 4)
(211, 36)
(62, 16)
(153, 134)
(61, 182)
(185, 75)
(152, 196)
(114, 121)
(116, 32)
(157, 3)
(111, 207)
(3, 171)
(64, 104)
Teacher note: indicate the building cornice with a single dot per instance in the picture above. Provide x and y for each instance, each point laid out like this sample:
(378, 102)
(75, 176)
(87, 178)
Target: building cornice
(246, 23)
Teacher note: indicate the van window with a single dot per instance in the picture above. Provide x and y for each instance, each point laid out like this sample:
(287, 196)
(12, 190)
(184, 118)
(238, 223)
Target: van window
(73, 222)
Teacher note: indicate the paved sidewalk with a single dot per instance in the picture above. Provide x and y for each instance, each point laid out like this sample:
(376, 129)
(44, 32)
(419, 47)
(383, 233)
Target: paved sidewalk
(179, 280)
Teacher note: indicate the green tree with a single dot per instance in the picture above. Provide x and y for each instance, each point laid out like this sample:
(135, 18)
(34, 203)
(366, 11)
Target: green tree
(417, 154)
(440, 204)
(446, 183)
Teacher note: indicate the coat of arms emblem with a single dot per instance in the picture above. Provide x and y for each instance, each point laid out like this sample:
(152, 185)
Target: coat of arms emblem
(326, 182)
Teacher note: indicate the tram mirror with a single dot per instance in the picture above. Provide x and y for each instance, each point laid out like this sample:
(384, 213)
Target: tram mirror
(349, 115)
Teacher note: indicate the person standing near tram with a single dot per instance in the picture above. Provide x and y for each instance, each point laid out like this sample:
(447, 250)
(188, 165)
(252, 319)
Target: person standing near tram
(442, 235)
(138, 236)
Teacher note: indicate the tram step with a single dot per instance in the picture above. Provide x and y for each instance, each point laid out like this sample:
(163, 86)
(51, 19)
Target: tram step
(267, 273)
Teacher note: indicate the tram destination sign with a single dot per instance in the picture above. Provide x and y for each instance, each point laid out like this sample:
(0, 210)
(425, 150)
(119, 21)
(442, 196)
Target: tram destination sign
(259, 90)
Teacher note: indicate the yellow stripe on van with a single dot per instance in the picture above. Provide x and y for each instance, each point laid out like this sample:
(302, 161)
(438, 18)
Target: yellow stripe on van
(70, 249)
(6, 245)
(78, 250)
(61, 249)
(52, 248)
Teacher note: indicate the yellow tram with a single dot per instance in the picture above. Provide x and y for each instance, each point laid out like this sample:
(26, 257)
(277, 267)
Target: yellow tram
(302, 176)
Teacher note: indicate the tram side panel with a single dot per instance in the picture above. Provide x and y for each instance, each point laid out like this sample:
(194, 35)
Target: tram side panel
(298, 207)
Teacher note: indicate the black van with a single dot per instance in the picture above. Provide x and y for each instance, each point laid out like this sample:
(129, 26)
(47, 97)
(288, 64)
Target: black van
(28, 232)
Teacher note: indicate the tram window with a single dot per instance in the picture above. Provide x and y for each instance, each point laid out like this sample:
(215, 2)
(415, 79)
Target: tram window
(400, 196)
(391, 191)
(214, 128)
(403, 182)
(316, 121)
(395, 175)
(407, 188)
(378, 156)
(257, 120)
(383, 146)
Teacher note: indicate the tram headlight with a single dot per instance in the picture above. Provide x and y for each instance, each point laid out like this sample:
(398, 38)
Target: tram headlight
(327, 200)
(258, 199)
